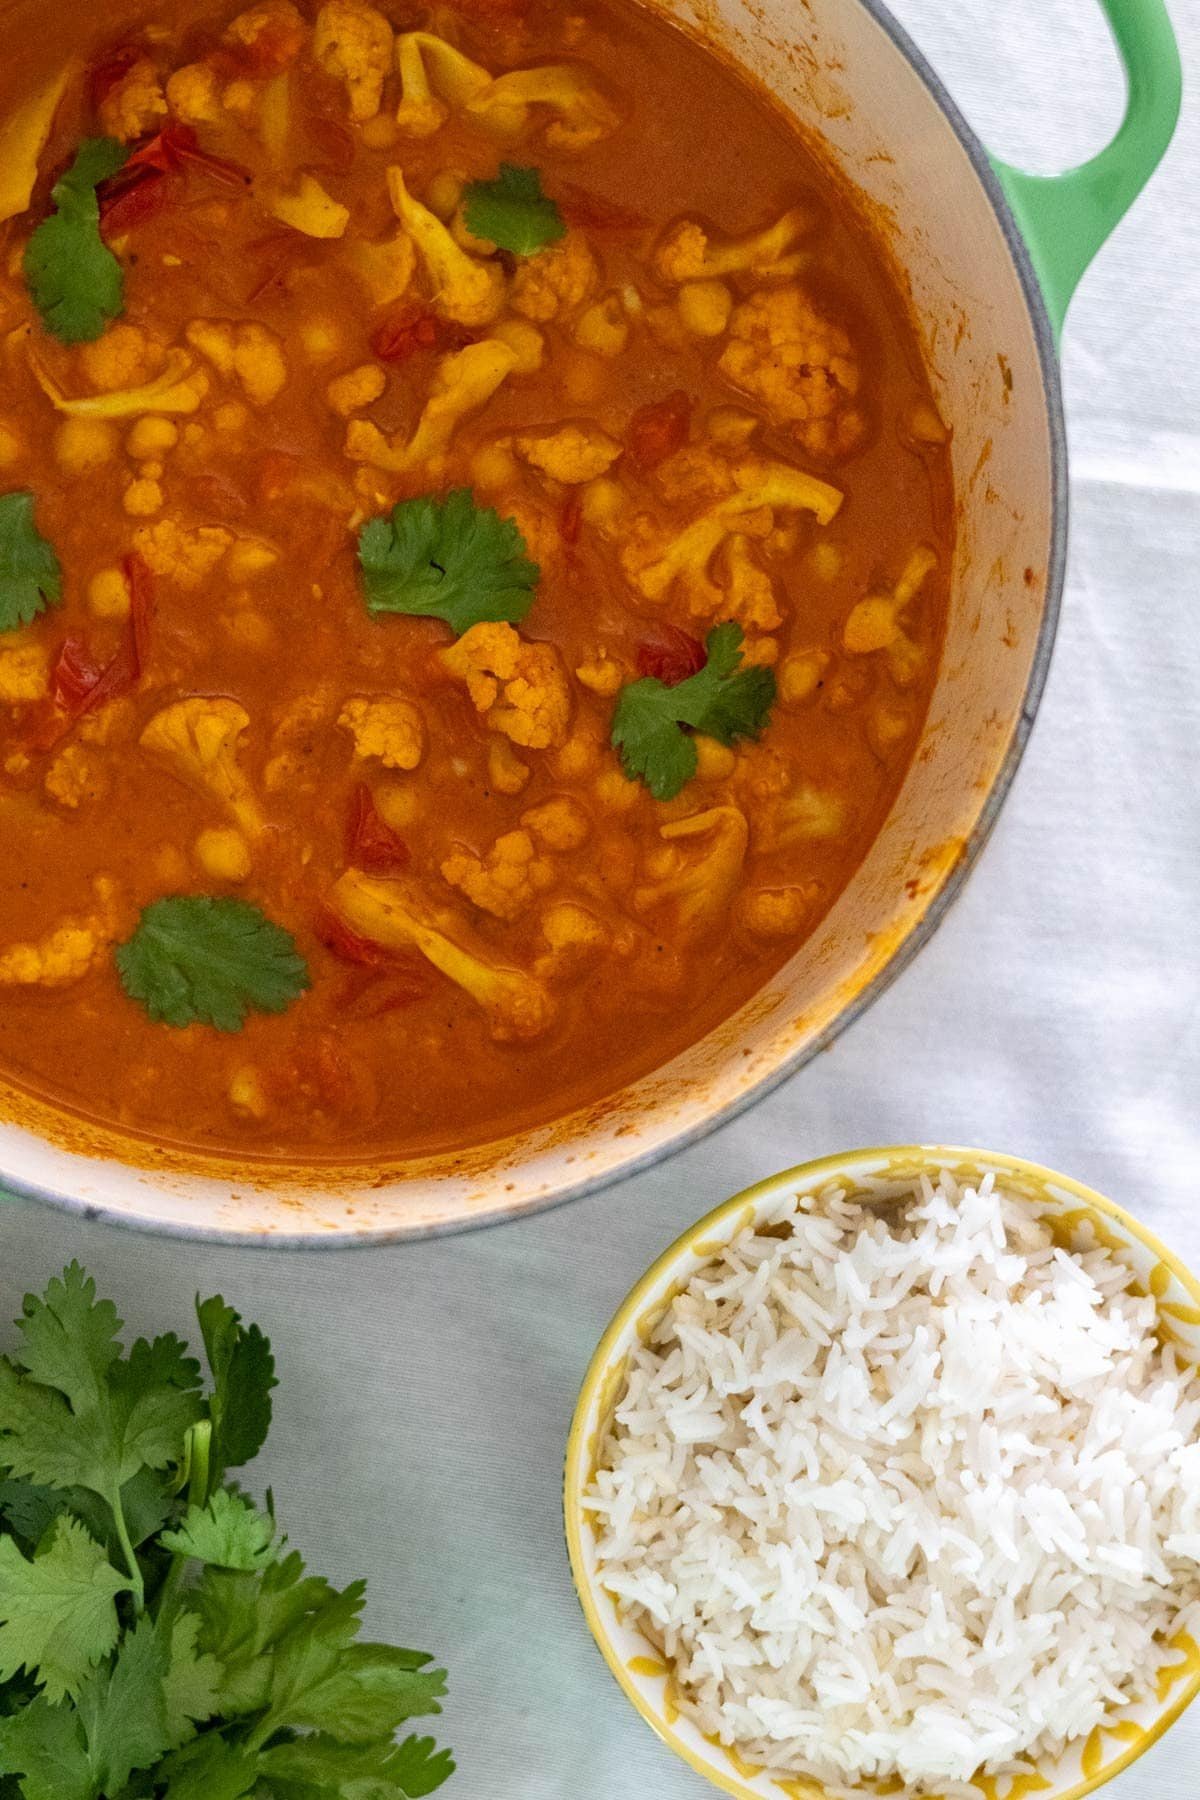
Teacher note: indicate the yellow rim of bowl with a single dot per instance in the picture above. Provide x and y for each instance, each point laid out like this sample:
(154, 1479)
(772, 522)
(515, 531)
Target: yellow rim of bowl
(576, 1473)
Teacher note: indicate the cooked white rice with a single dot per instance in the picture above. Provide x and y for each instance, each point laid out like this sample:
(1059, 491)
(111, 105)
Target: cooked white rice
(904, 1491)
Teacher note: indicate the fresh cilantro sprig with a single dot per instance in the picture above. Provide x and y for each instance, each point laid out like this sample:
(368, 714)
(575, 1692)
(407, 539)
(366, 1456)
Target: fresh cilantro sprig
(30, 575)
(74, 279)
(512, 212)
(448, 559)
(653, 722)
(195, 959)
(159, 1640)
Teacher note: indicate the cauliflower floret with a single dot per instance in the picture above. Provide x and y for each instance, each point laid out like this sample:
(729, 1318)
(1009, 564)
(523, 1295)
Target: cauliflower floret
(123, 357)
(430, 67)
(24, 673)
(506, 881)
(24, 133)
(394, 914)
(877, 623)
(583, 112)
(436, 79)
(74, 776)
(654, 560)
(249, 351)
(133, 106)
(558, 824)
(194, 94)
(557, 281)
(697, 870)
(67, 953)
(187, 557)
(272, 34)
(462, 383)
(353, 43)
(687, 252)
(525, 341)
(799, 365)
(307, 208)
(385, 267)
(573, 937)
(197, 739)
(749, 593)
(385, 728)
(777, 912)
(570, 454)
(805, 814)
(356, 389)
(694, 472)
(465, 289)
(519, 686)
(178, 388)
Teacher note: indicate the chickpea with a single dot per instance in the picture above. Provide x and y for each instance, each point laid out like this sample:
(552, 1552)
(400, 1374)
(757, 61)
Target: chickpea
(151, 437)
(223, 854)
(704, 308)
(108, 594)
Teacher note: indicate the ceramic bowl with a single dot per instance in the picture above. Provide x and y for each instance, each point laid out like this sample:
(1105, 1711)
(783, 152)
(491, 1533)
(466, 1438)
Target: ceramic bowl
(1079, 1218)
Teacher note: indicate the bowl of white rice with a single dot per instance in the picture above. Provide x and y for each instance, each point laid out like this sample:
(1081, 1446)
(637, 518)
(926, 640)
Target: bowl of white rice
(885, 1480)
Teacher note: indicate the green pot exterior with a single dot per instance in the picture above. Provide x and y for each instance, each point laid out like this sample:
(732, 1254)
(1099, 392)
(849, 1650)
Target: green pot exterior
(1065, 219)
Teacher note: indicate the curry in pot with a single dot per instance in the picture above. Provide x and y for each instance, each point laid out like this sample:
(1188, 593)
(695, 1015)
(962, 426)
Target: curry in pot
(474, 532)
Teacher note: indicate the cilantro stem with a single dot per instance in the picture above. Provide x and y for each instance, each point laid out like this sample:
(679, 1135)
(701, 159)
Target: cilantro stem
(127, 1551)
(199, 1462)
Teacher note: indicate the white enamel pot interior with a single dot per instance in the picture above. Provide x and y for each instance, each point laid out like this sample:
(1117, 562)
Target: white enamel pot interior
(848, 75)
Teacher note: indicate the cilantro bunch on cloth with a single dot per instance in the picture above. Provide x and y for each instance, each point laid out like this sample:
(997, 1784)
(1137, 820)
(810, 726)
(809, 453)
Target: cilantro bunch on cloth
(74, 279)
(653, 721)
(447, 559)
(512, 212)
(158, 1638)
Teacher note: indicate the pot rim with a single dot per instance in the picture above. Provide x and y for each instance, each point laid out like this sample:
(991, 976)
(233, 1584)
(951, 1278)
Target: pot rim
(339, 1238)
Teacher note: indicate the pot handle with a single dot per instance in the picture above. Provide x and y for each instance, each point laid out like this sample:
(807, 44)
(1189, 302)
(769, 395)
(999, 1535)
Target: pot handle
(1066, 218)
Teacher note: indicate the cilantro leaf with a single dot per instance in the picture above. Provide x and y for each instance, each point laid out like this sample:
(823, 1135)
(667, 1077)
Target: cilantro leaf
(211, 1768)
(447, 559)
(194, 959)
(119, 1723)
(512, 212)
(80, 1415)
(243, 1372)
(229, 1533)
(190, 1682)
(58, 1613)
(30, 576)
(722, 700)
(27, 1510)
(123, 1710)
(406, 1771)
(74, 279)
(44, 1744)
(357, 1692)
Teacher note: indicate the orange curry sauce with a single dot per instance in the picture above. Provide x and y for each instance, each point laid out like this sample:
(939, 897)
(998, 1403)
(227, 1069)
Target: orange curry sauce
(209, 552)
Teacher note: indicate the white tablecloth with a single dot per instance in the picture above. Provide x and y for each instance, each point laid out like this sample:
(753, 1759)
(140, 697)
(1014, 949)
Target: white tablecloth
(426, 1391)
